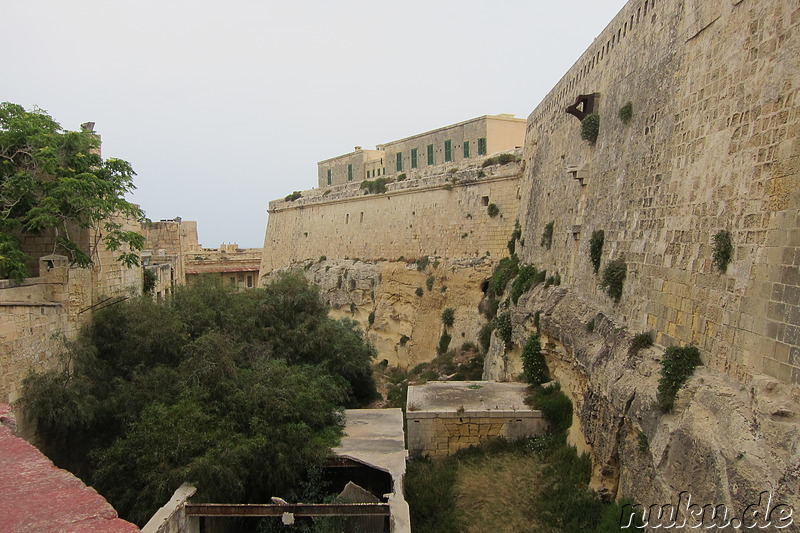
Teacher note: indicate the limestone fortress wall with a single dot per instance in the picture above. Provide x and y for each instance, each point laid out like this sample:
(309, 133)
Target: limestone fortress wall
(712, 145)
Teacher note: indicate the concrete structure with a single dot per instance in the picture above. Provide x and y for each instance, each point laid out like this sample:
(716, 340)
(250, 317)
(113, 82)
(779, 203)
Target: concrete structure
(37, 496)
(445, 416)
(172, 517)
(469, 140)
(375, 438)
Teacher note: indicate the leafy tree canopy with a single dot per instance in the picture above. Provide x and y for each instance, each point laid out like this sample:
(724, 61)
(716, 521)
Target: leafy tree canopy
(239, 392)
(55, 180)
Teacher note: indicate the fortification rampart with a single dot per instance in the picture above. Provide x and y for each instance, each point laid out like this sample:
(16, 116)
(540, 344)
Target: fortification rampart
(444, 215)
(712, 145)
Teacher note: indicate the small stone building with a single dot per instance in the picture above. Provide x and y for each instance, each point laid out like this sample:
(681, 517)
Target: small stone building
(445, 416)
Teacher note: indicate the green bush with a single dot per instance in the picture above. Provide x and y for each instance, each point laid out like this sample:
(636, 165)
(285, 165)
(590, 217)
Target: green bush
(505, 159)
(640, 341)
(448, 317)
(429, 282)
(553, 280)
(643, 443)
(723, 250)
(490, 305)
(371, 318)
(590, 128)
(401, 176)
(626, 112)
(524, 280)
(515, 235)
(419, 291)
(149, 283)
(492, 210)
(294, 196)
(547, 235)
(444, 343)
(376, 186)
(533, 361)
(422, 263)
(677, 366)
(506, 270)
(485, 336)
(404, 340)
(489, 162)
(502, 323)
(614, 278)
(537, 317)
(555, 406)
(596, 248)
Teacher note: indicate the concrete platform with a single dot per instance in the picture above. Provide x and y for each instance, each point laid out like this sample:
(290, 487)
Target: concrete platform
(467, 396)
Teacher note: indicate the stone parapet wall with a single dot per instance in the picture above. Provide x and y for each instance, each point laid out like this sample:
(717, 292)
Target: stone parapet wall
(712, 145)
(443, 215)
(439, 434)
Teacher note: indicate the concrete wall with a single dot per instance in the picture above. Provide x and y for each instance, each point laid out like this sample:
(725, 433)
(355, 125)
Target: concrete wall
(439, 434)
(444, 215)
(712, 145)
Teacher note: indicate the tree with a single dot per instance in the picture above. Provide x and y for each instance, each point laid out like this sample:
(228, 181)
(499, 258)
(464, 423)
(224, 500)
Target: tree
(239, 392)
(52, 180)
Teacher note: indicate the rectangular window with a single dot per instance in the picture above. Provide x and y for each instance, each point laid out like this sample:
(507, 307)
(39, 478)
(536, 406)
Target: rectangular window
(329, 176)
(413, 158)
(430, 154)
(399, 161)
(249, 282)
(482, 146)
(448, 151)
(466, 149)
(349, 172)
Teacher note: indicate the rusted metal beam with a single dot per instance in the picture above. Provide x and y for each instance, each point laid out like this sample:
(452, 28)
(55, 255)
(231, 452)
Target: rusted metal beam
(297, 509)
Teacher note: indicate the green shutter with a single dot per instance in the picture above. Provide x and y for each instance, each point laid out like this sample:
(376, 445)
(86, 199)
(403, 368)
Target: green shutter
(349, 172)
(430, 154)
(466, 149)
(448, 150)
(413, 158)
(399, 161)
(329, 176)
(482, 146)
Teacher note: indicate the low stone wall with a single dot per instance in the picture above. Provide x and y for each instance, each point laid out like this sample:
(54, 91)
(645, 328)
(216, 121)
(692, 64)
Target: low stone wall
(443, 433)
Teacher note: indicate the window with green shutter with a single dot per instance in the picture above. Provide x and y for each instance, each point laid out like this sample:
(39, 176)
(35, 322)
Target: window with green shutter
(329, 176)
(482, 146)
(448, 150)
(349, 172)
(413, 158)
(466, 149)
(430, 154)
(399, 161)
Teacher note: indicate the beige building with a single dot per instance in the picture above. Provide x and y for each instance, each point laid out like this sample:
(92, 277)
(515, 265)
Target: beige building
(452, 144)
(236, 266)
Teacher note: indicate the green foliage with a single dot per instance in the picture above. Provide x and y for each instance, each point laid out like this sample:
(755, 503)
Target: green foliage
(371, 318)
(448, 317)
(533, 361)
(239, 392)
(547, 235)
(515, 236)
(526, 277)
(492, 210)
(52, 181)
(555, 406)
(640, 341)
(489, 306)
(555, 279)
(506, 270)
(590, 326)
(590, 128)
(431, 496)
(422, 263)
(419, 291)
(537, 317)
(149, 280)
(596, 248)
(677, 366)
(444, 343)
(502, 323)
(402, 176)
(376, 186)
(723, 250)
(613, 278)
(643, 443)
(429, 282)
(626, 112)
(502, 159)
(485, 336)
(404, 340)
(296, 195)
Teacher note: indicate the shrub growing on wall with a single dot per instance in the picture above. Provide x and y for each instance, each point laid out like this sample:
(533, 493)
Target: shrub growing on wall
(492, 210)
(723, 250)
(502, 323)
(614, 278)
(448, 317)
(533, 361)
(596, 248)
(626, 112)
(590, 128)
(524, 280)
(677, 365)
(547, 235)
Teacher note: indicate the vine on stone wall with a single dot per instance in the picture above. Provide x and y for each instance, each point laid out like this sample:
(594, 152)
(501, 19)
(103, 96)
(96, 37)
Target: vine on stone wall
(626, 112)
(596, 248)
(723, 250)
(547, 235)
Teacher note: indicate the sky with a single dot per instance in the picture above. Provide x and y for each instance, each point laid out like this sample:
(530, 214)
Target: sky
(223, 106)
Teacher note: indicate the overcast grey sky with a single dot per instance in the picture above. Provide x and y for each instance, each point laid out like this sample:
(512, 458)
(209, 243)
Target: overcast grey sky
(223, 106)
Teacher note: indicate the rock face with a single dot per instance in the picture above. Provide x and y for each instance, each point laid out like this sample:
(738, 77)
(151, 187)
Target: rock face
(406, 327)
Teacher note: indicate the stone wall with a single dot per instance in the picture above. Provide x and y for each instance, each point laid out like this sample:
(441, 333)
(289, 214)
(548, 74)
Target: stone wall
(444, 215)
(712, 145)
